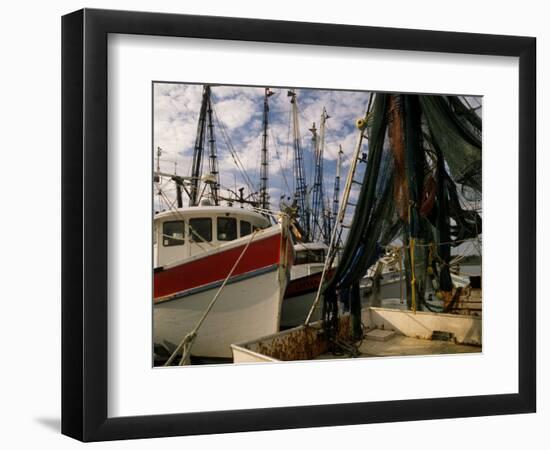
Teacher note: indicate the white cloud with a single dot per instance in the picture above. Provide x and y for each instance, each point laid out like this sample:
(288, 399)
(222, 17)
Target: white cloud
(235, 112)
(176, 110)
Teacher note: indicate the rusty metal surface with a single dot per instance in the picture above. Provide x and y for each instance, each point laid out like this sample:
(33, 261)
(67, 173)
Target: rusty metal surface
(468, 300)
(302, 343)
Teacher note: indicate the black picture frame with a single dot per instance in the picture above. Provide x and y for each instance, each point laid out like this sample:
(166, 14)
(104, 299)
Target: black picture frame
(84, 224)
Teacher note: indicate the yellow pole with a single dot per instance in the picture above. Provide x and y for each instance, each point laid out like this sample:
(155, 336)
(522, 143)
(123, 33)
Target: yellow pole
(401, 273)
(413, 279)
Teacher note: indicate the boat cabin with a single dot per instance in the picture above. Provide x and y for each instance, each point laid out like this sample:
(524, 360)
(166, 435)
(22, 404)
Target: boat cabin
(309, 258)
(184, 232)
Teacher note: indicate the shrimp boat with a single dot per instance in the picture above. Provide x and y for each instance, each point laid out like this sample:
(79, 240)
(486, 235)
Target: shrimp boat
(195, 250)
(220, 271)
(224, 274)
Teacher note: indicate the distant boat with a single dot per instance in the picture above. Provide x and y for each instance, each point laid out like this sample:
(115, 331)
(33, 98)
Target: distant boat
(304, 282)
(391, 292)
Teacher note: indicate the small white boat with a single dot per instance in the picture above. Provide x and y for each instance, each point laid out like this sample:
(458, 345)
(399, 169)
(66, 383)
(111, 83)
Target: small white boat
(195, 250)
(392, 291)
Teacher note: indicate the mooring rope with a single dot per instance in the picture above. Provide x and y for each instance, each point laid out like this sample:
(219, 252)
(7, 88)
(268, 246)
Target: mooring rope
(189, 338)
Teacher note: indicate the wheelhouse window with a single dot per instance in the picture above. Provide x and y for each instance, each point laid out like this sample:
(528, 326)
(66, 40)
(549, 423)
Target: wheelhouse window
(309, 256)
(227, 228)
(173, 233)
(200, 229)
(246, 228)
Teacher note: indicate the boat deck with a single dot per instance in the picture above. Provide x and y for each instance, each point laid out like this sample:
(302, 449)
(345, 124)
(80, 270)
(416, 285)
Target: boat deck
(400, 345)
(388, 332)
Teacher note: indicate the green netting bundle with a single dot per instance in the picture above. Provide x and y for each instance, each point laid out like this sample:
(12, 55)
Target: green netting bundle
(419, 149)
(457, 132)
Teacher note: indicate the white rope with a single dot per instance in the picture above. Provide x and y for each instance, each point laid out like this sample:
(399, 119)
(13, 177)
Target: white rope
(189, 338)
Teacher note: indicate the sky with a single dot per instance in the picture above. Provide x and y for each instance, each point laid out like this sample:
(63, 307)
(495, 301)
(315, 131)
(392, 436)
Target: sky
(240, 109)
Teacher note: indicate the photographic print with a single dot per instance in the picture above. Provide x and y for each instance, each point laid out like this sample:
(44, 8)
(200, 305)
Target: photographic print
(265, 224)
(294, 223)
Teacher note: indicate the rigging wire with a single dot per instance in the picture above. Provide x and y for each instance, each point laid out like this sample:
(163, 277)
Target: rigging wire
(283, 171)
(291, 192)
(234, 154)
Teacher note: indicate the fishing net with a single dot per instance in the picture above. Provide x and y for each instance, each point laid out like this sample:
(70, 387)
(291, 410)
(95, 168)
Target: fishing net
(457, 132)
(372, 219)
(420, 148)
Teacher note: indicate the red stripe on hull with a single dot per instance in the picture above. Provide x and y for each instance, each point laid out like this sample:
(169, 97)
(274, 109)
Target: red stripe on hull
(216, 267)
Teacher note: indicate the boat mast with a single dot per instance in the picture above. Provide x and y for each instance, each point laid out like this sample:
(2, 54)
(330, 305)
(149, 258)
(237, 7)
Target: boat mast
(196, 168)
(205, 127)
(336, 191)
(300, 194)
(318, 225)
(215, 182)
(314, 206)
(264, 197)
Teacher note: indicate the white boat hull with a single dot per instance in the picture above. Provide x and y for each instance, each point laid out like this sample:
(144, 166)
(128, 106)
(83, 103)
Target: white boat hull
(247, 308)
(296, 309)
